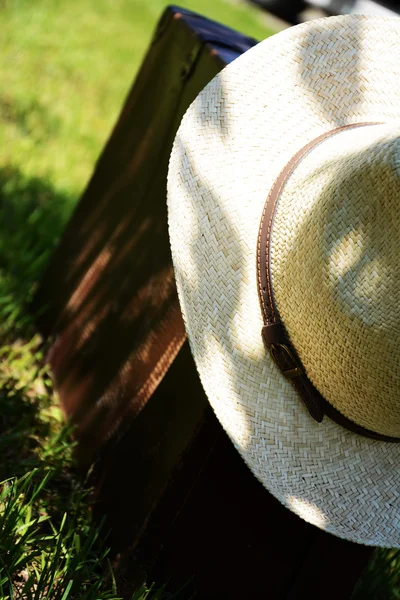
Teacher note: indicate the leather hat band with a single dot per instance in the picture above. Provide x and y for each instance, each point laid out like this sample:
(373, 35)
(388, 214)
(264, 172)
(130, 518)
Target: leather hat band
(274, 333)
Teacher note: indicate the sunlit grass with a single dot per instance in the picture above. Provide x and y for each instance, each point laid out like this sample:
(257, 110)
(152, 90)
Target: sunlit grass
(66, 68)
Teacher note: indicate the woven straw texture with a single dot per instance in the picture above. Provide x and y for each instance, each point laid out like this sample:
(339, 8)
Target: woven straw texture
(234, 140)
(336, 273)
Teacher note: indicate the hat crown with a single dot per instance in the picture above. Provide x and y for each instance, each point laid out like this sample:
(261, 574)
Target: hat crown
(336, 273)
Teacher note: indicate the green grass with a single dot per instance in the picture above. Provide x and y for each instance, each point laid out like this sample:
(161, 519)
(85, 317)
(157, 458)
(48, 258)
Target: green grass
(49, 546)
(66, 67)
(381, 580)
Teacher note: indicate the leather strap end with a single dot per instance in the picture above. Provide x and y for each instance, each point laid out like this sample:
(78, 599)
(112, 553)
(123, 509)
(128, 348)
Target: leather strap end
(311, 398)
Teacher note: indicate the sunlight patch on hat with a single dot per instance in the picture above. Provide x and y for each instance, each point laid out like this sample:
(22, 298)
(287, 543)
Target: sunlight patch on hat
(308, 511)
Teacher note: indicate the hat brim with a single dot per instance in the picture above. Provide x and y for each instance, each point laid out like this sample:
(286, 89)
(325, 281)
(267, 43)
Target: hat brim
(233, 141)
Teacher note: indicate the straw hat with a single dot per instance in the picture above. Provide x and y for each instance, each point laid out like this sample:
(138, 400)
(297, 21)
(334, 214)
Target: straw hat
(283, 221)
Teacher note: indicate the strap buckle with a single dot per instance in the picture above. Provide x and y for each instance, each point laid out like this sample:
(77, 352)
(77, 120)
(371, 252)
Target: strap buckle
(285, 359)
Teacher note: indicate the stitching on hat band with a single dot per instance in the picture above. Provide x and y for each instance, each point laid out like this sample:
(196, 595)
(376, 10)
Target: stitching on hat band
(274, 333)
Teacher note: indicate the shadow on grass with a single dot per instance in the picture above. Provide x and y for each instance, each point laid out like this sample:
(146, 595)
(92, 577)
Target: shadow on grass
(31, 437)
(20, 430)
(32, 216)
(41, 496)
(30, 117)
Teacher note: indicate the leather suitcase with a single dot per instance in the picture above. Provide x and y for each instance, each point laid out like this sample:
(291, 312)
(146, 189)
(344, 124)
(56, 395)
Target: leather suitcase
(112, 314)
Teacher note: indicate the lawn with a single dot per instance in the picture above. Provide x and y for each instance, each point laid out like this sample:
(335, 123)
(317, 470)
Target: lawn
(66, 68)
